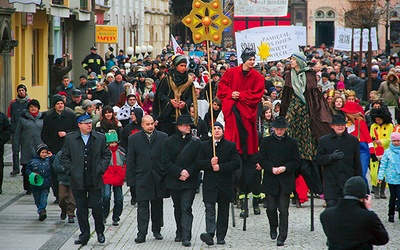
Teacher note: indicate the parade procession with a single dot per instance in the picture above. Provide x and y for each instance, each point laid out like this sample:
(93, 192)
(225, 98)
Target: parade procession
(201, 124)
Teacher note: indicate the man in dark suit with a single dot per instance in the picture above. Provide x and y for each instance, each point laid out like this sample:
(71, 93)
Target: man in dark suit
(178, 157)
(217, 182)
(339, 155)
(352, 224)
(85, 156)
(144, 171)
(279, 157)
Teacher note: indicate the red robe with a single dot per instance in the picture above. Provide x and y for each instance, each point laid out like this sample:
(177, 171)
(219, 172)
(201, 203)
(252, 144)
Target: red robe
(251, 89)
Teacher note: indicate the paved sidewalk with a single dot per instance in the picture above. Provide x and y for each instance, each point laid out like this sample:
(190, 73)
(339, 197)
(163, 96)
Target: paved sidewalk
(22, 230)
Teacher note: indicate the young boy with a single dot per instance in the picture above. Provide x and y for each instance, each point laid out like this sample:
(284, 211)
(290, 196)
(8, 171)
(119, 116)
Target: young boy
(38, 170)
(114, 176)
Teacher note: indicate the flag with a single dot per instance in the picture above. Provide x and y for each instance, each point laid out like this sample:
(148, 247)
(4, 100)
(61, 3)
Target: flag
(177, 50)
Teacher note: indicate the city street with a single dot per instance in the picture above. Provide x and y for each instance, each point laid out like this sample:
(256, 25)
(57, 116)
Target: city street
(22, 230)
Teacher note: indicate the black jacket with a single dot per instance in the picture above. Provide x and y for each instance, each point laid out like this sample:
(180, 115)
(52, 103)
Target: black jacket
(221, 182)
(349, 225)
(174, 165)
(336, 172)
(144, 169)
(72, 158)
(275, 153)
(52, 124)
(5, 131)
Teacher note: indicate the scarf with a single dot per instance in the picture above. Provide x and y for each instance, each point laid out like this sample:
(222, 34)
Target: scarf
(299, 82)
(34, 114)
(107, 125)
(178, 77)
(396, 154)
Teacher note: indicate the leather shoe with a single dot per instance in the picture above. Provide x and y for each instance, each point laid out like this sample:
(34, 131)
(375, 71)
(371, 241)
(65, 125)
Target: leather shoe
(158, 236)
(221, 241)
(101, 238)
(140, 239)
(207, 238)
(63, 214)
(186, 243)
(178, 238)
(280, 243)
(80, 242)
(273, 235)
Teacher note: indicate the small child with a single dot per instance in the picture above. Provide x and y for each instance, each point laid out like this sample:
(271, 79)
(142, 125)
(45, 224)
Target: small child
(38, 170)
(390, 170)
(114, 177)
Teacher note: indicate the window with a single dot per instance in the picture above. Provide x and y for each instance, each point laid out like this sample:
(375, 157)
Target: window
(319, 14)
(35, 56)
(84, 5)
(330, 14)
(59, 2)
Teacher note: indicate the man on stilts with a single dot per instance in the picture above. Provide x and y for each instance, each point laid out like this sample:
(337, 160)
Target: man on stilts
(240, 91)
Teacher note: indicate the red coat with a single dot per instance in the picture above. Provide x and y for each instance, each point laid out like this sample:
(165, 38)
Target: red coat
(116, 171)
(251, 89)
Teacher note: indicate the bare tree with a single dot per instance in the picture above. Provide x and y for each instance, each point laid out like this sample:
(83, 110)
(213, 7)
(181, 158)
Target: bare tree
(364, 14)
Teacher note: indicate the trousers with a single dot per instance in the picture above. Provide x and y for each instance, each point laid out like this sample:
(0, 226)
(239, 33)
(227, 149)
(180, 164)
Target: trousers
(147, 208)
(183, 201)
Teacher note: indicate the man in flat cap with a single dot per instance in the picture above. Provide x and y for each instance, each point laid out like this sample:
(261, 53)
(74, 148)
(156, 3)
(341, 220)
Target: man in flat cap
(240, 91)
(174, 96)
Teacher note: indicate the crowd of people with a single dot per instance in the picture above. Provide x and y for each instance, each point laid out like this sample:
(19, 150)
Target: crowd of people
(252, 130)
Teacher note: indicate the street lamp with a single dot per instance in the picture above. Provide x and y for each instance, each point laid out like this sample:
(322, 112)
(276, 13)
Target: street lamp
(138, 50)
(387, 47)
(144, 50)
(149, 49)
(129, 51)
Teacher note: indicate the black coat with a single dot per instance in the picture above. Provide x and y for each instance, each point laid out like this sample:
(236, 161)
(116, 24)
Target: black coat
(143, 166)
(172, 147)
(221, 182)
(5, 132)
(72, 158)
(275, 153)
(349, 225)
(336, 173)
(52, 124)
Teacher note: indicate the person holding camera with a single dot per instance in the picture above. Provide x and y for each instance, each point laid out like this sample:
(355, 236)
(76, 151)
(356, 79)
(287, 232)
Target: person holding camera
(339, 155)
(60, 68)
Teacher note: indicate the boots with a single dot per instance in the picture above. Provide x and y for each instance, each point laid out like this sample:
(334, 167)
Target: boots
(382, 190)
(244, 211)
(377, 189)
(256, 207)
(15, 158)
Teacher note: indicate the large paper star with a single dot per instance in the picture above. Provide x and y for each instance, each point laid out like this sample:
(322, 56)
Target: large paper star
(207, 21)
(263, 51)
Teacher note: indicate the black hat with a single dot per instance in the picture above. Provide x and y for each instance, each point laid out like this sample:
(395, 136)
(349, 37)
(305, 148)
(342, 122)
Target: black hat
(21, 86)
(59, 60)
(355, 186)
(83, 76)
(76, 92)
(34, 102)
(56, 98)
(247, 54)
(219, 125)
(325, 74)
(93, 48)
(184, 119)
(279, 122)
(338, 120)
(41, 147)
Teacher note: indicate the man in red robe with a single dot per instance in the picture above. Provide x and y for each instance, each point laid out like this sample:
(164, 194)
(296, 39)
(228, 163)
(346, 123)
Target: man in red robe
(240, 91)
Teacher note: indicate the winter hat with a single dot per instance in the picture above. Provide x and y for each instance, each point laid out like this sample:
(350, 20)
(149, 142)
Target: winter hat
(87, 103)
(247, 54)
(83, 76)
(21, 86)
(110, 75)
(178, 59)
(395, 136)
(352, 78)
(34, 102)
(59, 60)
(151, 94)
(56, 98)
(355, 186)
(41, 147)
(218, 124)
(273, 68)
(350, 108)
(111, 136)
(107, 109)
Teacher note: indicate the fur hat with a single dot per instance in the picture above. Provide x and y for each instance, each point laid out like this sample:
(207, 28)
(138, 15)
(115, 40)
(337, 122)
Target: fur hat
(355, 186)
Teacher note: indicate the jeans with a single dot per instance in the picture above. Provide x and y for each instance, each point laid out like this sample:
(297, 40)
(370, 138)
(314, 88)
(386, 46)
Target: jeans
(40, 195)
(118, 201)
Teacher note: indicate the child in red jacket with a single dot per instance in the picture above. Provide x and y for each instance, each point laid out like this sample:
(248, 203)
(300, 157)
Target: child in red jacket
(114, 177)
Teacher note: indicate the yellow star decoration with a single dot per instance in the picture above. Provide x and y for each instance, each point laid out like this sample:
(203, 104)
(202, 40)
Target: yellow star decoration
(263, 51)
(207, 21)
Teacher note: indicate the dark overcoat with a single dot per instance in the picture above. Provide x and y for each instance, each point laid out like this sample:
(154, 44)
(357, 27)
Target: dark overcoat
(349, 225)
(336, 172)
(144, 168)
(174, 162)
(72, 158)
(275, 153)
(220, 182)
